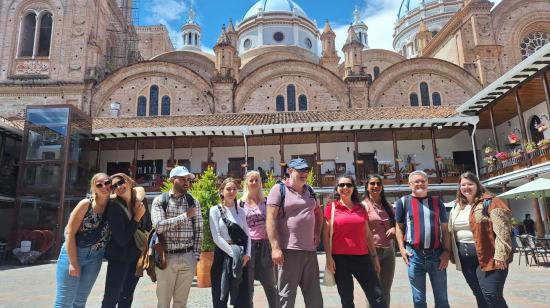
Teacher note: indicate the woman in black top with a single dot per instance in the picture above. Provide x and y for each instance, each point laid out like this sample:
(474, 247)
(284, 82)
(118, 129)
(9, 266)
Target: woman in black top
(128, 212)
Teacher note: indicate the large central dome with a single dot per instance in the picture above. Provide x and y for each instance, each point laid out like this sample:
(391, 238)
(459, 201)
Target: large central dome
(410, 5)
(274, 6)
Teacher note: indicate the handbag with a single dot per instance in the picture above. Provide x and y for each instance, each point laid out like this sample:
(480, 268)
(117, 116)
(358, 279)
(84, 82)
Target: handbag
(328, 279)
(467, 249)
(236, 233)
(140, 236)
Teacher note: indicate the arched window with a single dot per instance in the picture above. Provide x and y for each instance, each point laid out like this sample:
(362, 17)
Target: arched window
(154, 100)
(280, 103)
(376, 70)
(26, 40)
(536, 136)
(196, 39)
(141, 106)
(533, 42)
(45, 35)
(190, 38)
(291, 97)
(424, 94)
(302, 102)
(413, 99)
(436, 99)
(165, 105)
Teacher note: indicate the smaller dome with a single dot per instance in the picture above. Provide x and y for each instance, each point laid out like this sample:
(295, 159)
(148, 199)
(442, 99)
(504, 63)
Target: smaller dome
(274, 6)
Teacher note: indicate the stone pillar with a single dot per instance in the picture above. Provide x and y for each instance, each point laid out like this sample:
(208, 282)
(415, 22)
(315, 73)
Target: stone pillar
(539, 224)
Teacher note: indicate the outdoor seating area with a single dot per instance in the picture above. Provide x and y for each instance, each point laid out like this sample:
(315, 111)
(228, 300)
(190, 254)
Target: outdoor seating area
(535, 251)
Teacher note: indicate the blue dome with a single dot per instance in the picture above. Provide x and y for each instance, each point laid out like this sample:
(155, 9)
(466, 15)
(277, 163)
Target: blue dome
(274, 6)
(409, 5)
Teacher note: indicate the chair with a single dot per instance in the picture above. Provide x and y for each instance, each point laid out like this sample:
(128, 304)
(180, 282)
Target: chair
(536, 250)
(522, 249)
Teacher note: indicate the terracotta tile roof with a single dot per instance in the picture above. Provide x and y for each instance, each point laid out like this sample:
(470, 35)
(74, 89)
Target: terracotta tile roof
(279, 118)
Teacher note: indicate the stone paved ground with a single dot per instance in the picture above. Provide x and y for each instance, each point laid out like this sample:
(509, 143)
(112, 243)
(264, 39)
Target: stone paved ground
(34, 286)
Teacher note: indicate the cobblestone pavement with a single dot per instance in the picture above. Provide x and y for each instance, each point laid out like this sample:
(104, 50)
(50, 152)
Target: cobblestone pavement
(34, 286)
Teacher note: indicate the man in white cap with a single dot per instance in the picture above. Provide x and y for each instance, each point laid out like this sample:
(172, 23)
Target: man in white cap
(176, 216)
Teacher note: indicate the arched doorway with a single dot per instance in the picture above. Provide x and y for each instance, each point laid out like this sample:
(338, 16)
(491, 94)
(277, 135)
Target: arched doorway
(536, 136)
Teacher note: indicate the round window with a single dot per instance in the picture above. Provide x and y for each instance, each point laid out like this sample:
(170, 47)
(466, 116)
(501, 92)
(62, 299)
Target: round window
(278, 36)
(308, 43)
(247, 43)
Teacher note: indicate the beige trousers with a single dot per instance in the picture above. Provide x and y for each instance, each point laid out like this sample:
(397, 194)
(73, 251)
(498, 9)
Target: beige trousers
(174, 282)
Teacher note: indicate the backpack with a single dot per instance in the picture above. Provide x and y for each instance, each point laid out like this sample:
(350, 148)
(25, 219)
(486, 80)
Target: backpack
(282, 191)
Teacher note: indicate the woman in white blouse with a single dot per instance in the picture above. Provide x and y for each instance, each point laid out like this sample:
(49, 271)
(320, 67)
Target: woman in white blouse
(229, 272)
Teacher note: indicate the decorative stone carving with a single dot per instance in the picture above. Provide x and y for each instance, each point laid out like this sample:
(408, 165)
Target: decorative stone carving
(32, 67)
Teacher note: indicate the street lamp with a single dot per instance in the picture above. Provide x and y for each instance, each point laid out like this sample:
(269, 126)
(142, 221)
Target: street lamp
(244, 129)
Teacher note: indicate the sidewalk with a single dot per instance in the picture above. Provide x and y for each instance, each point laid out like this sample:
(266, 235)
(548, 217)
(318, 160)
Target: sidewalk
(34, 287)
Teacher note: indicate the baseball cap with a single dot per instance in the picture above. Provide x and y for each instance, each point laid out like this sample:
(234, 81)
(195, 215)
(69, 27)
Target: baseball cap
(181, 171)
(298, 164)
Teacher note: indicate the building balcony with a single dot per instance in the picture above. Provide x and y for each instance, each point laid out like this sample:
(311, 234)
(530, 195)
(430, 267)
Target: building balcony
(526, 160)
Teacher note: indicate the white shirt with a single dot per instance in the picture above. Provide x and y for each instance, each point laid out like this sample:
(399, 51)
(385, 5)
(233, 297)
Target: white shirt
(218, 228)
(461, 225)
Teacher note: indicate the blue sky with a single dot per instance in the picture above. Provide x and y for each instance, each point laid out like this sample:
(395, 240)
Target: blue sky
(379, 15)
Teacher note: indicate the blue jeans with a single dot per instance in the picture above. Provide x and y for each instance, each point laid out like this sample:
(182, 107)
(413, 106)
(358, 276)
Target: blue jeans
(74, 291)
(420, 263)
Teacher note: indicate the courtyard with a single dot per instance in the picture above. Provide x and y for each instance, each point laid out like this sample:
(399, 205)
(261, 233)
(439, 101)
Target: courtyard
(34, 286)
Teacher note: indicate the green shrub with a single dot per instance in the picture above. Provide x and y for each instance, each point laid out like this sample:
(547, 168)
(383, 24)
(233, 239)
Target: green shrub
(205, 190)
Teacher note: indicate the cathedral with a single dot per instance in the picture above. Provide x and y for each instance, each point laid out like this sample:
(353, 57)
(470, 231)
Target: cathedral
(82, 90)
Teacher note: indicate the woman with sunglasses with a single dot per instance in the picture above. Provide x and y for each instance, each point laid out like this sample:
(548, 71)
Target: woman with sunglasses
(229, 272)
(382, 226)
(127, 212)
(86, 236)
(260, 266)
(351, 251)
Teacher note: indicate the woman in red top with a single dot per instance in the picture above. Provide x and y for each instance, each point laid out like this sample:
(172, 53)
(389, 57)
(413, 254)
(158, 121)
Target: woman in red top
(352, 253)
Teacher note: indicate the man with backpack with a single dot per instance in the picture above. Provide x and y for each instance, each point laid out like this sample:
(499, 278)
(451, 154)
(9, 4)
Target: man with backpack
(294, 227)
(176, 216)
(424, 240)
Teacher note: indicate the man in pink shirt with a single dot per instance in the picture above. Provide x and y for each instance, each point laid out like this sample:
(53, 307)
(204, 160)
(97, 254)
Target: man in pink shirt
(293, 228)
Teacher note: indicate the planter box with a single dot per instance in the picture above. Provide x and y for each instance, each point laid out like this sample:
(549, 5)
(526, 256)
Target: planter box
(451, 179)
(389, 181)
(541, 159)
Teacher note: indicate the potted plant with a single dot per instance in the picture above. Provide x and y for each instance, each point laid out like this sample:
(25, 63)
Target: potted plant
(513, 138)
(517, 153)
(544, 143)
(488, 150)
(205, 190)
(541, 127)
(530, 147)
(489, 160)
(502, 156)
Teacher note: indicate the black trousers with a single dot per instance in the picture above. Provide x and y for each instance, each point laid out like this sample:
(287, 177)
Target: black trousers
(362, 268)
(120, 284)
(242, 299)
(487, 287)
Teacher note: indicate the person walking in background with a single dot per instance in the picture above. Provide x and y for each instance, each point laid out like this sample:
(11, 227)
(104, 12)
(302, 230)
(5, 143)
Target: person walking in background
(260, 266)
(423, 237)
(529, 225)
(351, 251)
(229, 269)
(127, 212)
(382, 226)
(176, 215)
(480, 227)
(294, 227)
(86, 236)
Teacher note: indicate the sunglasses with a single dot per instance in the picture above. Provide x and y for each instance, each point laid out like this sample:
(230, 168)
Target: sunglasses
(118, 184)
(342, 185)
(375, 184)
(104, 184)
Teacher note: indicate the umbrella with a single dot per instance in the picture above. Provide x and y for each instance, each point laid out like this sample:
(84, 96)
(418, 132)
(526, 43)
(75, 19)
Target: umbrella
(539, 188)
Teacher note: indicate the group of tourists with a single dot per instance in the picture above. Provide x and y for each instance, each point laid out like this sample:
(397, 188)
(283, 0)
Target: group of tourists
(274, 239)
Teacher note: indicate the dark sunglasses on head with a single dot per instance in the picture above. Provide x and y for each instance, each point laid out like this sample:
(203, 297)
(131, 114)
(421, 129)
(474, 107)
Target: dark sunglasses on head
(106, 183)
(348, 185)
(118, 184)
(375, 183)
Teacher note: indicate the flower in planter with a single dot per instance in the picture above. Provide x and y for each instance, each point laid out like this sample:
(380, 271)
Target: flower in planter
(502, 156)
(530, 147)
(541, 127)
(488, 150)
(513, 138)
(517, 153)
(544, 143)
(489, 160)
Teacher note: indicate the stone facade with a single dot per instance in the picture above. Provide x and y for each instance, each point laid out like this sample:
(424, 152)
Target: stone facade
(153, 41)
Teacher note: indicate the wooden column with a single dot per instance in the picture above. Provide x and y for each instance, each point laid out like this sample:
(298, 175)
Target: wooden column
(356, 157)
(434, 151)
(546, 93)
(282, 154)
(522, 126)
(504, 189)
(395, 157)
(98, 158)
(172, 150)
(136, 147)
(493, 128)
(539, 224)
(209, 158)
(318, 166)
